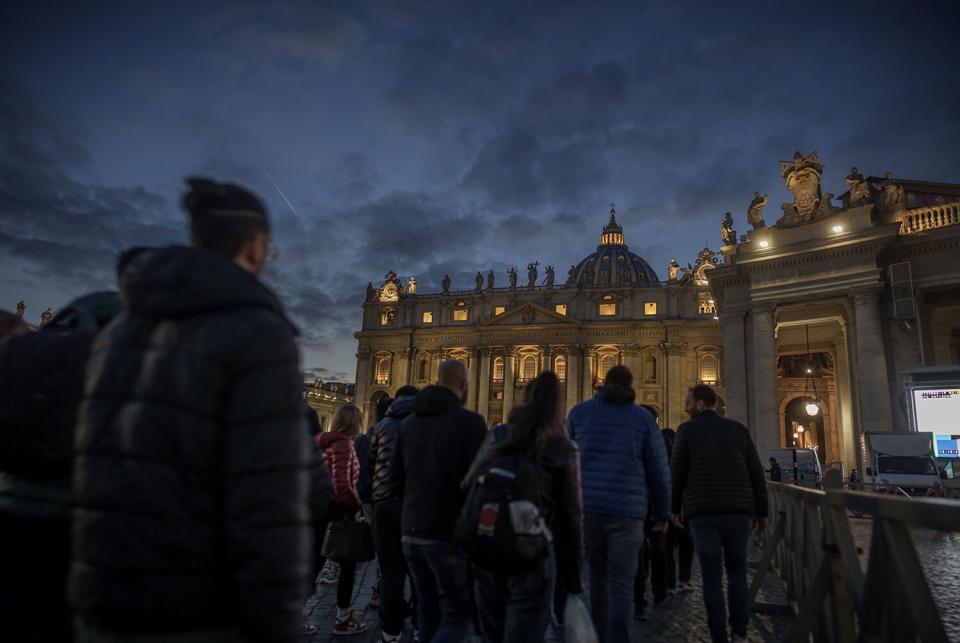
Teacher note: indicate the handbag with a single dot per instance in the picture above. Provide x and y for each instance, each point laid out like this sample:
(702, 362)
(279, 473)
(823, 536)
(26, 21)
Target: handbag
(348, 541)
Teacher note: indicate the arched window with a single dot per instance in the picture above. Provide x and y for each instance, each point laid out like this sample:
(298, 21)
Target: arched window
(606, 363)
(424, 370)
(560, 367)
(650, 368)
(528, 369)
(383, 370)
(709, 369)
(498, 369)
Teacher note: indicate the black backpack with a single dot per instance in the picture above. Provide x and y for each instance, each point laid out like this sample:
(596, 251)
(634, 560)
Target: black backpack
(500, 527)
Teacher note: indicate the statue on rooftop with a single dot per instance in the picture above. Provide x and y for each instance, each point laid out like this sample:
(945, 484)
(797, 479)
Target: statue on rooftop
(572, 276)
(859, 192)
(46, 316)
(445, 284)
(371, 291)
(512, 277)
(673, 270)
(755, 211)
(411, 285)
(532, 274)
(802, 177)
(490, 280)
(727, 234)
(891, 194)
(548, 282)
(478, 281)
(21, 307)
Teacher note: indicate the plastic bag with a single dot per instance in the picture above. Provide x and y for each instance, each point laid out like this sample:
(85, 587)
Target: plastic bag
(577, 624)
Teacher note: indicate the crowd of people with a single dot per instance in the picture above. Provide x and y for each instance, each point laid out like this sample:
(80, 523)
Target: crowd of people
(163, 480)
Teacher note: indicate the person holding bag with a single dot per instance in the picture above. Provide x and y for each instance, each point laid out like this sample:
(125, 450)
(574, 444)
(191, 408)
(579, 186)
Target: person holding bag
(341, 459)
(516, 606)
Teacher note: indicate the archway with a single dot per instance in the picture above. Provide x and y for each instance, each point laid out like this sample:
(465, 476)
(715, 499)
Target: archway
(809, 429)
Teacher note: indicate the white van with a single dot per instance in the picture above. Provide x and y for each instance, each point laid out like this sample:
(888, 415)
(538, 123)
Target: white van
(902, 459)
(798, 465)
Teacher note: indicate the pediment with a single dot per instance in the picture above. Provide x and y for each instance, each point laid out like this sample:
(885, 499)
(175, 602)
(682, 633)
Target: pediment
(529, 314)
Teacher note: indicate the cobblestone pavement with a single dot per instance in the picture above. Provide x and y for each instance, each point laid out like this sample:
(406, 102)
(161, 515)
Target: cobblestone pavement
(681, 618)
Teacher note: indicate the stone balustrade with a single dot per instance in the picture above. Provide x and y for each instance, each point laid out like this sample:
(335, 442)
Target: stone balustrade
(929, 218)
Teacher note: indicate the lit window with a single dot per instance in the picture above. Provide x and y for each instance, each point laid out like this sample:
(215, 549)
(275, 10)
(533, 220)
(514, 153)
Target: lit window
(499, 310)
(608, 310)
(649, 308)
(388, 316)
(560, 309)
(528, 369)
(707, 306)
(383, 370)
(709, 369)
(428, 317)
(606, 363)
(560, 367)
(460, 315)
(498, 369)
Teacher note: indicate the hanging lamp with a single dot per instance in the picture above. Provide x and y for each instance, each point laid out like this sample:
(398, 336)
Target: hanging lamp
(812, 405)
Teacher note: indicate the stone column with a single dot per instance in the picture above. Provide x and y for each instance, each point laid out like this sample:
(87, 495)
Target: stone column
(676, 386)
(362, 395)
(733, 365)
(588, 365)
(483, 386)
(573, 376)
(474, 371)
(845, 410)
(436, 356)
(401, 369)
(871, 363)
(765, 424)
(509, 357)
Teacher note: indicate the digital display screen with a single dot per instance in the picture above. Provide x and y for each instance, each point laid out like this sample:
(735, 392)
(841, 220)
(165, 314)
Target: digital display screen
(937, 410)
(946, 446)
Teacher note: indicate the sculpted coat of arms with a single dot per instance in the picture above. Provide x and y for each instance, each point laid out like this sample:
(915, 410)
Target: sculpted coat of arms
(802, 176)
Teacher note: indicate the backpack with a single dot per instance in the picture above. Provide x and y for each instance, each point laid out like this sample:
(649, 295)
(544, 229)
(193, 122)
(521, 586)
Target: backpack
(500, 527)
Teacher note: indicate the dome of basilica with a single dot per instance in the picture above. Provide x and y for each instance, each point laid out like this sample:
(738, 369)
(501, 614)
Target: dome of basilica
(612, 265)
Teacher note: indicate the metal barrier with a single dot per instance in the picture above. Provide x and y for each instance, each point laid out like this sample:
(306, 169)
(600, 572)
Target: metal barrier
(811, 546)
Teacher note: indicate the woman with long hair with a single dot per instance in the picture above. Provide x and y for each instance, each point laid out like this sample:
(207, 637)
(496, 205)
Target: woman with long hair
(517, 607)
(340, 457)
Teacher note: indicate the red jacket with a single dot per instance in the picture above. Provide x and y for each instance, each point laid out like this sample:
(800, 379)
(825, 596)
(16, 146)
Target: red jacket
(341, 458)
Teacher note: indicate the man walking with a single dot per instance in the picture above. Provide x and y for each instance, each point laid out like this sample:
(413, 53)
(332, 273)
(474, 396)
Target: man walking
(434, 449)
(192, 466)
(718, 486)
(624, 472)
(386, 516)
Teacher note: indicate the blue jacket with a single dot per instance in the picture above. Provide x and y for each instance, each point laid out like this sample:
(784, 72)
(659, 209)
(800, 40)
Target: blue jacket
(623, 460)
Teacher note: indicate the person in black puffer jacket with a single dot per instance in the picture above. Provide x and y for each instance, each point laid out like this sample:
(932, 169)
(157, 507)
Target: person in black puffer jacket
(386, 515)
(192, 465)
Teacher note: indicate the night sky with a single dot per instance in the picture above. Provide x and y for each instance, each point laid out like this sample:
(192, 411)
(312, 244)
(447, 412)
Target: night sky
(444, 137)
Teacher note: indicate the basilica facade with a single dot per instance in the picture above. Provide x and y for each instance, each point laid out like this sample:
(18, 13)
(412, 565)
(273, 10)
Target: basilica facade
(611, 309)
(809, 328)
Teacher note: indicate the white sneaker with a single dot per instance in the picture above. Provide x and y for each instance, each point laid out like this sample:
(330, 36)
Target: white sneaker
(348, 626)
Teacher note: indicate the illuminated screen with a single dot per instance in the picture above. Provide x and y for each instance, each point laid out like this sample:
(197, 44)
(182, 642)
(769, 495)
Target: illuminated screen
(937, 410)
(946, 446)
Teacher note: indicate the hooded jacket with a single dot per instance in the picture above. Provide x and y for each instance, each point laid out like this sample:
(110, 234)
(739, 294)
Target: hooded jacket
(382, 446)
(340, 456)
(433, 451)
(623, 460)
(192, 465)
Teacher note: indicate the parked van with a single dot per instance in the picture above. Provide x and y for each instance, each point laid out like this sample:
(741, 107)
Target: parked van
(902, 459)
(798, 464)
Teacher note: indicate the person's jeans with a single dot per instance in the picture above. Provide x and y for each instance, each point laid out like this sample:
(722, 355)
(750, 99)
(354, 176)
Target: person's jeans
(516, 608)
(393, 566)
(721, 539)
(613, 551)
(439, 574)
(681, 539)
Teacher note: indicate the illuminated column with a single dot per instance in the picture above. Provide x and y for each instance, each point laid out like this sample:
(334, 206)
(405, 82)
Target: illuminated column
(362, 395)
(765, 423)
(841, 370)
(589, 359)
(573, 376)
(474, 369)
(483, 386)
(509, 359)
(734, 375)
(401, 369)
(871, 363)
(676, 386)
